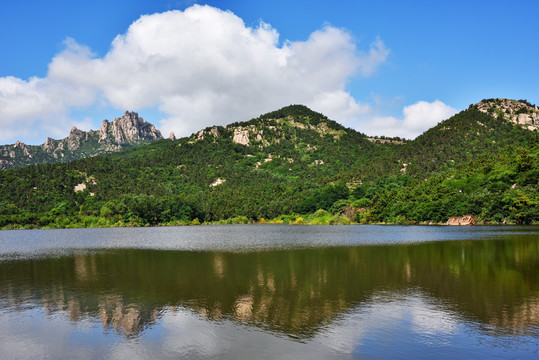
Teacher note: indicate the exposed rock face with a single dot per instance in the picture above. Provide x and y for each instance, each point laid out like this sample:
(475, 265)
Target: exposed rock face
(519, 112)
(201, 135)
(217, 182)
(104, 130)
(49, 145)
(130, 129)
(79, 187)
(74, 138)
(172, 136)
(241, 136)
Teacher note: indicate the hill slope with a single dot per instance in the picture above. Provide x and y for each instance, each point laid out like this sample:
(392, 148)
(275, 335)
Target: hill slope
(464, 137)
(473, 163)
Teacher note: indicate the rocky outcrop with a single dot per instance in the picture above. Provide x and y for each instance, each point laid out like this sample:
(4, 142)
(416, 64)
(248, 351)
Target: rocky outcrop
(241, 136)
(518, 112)
(74, 138)
(104, 130)
(217, 182)
(202, 134)
(460, 221)
(49, 145)
(79, 187)
(128, 130)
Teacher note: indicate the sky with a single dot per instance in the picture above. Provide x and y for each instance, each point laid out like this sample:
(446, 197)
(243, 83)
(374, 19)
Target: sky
(393, 68)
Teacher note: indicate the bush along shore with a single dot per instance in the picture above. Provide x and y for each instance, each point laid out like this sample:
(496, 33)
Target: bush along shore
(320, 217)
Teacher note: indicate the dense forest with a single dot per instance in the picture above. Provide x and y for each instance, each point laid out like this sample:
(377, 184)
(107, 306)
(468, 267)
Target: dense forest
(291, 166)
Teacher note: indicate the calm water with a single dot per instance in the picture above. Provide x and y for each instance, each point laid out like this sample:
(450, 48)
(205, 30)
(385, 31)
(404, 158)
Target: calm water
(270, 292)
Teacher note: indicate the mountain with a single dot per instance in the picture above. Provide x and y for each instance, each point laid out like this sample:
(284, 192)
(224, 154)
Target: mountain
(472, 163)
(485, 128)
(123, 132)
(290, 165)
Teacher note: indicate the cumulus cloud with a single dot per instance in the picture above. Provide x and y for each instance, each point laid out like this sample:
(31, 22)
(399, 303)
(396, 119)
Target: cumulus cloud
(339, 105)
(42, 102)
(200, 67)
(417, 118)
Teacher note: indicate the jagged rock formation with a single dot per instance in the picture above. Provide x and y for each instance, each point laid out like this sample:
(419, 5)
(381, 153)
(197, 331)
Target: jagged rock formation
(128, 130)
(519, 112)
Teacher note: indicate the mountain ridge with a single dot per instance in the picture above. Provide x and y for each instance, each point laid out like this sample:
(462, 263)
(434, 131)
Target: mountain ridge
(127, 130)
(130, 130)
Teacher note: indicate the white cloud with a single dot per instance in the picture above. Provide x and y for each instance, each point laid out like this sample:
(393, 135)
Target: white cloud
(200, 67)
(28, 108)
(339, 105)
(377, 55)
(417, 118)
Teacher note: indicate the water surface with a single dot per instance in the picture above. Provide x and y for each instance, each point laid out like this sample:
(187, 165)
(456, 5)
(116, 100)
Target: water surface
(270, 291)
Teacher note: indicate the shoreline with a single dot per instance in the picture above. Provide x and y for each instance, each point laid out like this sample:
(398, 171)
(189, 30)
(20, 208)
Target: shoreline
(342, 221)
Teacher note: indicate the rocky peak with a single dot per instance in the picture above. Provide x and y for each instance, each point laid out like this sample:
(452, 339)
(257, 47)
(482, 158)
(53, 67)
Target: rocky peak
(172, 136)
(49, 145)
(104, 130)
(130, 128)
(75, 137)
(19, 145)
(518, 112)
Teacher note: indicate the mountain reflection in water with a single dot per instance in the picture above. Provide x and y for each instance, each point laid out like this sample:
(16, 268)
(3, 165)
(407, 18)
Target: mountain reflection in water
(297, 293)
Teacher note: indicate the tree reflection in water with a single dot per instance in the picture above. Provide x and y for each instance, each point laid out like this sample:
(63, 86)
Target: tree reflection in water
(294, 292)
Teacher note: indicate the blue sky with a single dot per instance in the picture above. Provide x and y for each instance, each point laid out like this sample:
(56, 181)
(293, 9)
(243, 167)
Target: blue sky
(384, 68)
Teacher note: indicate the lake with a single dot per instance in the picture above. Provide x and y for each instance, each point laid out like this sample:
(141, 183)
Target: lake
(270, 292)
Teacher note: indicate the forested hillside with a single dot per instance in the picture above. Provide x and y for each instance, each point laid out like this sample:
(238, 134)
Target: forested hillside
(292, 165)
